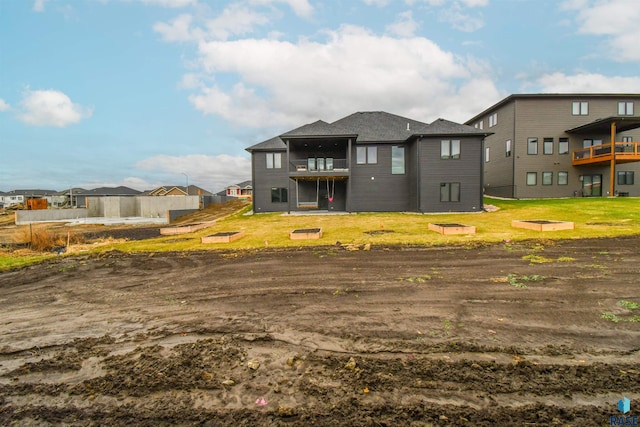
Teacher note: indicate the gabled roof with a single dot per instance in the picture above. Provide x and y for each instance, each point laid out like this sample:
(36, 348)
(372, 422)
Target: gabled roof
(31, 193)
(373, 126)
(442, 127)
(273, 144)
(111, 191)
(369, 126)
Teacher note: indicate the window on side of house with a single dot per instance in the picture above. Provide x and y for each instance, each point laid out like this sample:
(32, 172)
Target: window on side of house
(274, 160)
(450, 149)
(366, 154)
(493, 120)
(532, 178)
(627, 139)
(486, 155)
(563, 146)
(479, 125)
(563, 178)
(580, 108)
(279, 195)
(532, 145)
(397, 160)
(625, 178)
(507, 146)
(449, 191)
(625, 108)
(547, 178)
(547, 146)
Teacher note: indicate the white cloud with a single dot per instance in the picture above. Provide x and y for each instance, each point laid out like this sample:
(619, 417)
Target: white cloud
(4, 106)
(38, 5)
(170, 3)
(300, 7)
(615, 19)
(460, 20)
(475, 3)
(50, 108)
(209, 172)
(284, 84)
(235, 20)
(179, 30)
(379, 3)
(587, 83)
(404, 25)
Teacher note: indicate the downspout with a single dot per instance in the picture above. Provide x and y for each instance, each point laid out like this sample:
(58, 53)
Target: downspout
(418, 193)
(289, 181)
(347, 202)
(612, 183)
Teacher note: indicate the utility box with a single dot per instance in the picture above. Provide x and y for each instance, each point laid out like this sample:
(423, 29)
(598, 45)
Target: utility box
(36, 204)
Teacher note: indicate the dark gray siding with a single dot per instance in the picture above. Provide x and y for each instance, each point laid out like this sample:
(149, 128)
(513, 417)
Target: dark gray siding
(412, 175)
(498, 171)
(374, 188)
(466, 170)
(265, 179)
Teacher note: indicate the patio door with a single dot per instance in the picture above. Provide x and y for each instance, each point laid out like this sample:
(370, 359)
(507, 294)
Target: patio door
(592, 185)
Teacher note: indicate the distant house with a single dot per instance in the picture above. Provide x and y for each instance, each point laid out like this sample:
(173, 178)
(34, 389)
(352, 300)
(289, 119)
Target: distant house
(76, 197)
(178, 190)
(20, 197)
(370, 161)
(562, 145)
(243, 190)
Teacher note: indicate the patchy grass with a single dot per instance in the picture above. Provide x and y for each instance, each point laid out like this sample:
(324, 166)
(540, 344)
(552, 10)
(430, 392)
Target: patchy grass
(630, 316)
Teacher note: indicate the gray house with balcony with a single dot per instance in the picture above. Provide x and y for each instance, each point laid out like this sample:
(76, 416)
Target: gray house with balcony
(562, 145)
(370, 162)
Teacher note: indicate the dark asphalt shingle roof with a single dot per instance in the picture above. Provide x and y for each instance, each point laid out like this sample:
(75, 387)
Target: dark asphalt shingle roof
(370, 126)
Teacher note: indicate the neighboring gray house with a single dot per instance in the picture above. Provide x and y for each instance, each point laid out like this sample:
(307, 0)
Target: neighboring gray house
(370, 162)
(559, 145)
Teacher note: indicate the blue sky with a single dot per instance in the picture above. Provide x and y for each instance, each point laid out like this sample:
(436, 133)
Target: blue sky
(146, 93)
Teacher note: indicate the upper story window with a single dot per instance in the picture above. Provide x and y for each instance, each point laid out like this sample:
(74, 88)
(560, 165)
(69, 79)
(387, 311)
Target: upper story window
(450, 149)
(532, 146)
(367, 154)
(397, 160)
(479, 125)
(625, 108)
(508, 148)
(563, 146)
(274, 160)
(493, 119)
(547, 146)
(580, 108)
(486, 155)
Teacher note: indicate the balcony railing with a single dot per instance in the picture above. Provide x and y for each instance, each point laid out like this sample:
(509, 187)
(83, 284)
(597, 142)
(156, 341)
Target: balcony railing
(624, 152)
(319, 165)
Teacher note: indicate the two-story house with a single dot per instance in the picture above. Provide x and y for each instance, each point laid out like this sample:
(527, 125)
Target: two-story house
(561, 145)
(370, 162)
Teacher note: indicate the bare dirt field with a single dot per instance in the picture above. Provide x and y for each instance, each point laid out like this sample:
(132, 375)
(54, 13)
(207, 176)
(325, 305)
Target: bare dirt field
(536, 333)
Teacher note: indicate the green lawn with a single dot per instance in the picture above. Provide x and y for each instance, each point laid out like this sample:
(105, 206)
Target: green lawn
(592, 218)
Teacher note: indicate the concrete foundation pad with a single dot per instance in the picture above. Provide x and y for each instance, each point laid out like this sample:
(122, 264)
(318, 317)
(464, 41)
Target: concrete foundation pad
(543, 225)
(223, 237)
(306, 233)
(452, 228)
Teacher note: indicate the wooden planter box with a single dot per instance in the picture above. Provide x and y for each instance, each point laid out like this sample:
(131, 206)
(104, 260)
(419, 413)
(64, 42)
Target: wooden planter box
(452, 228)
(184, 229)
(223, 237)
(543, 225)
(306, 233)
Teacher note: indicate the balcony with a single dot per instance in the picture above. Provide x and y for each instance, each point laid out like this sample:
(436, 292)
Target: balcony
(625, 152)
(318, 167)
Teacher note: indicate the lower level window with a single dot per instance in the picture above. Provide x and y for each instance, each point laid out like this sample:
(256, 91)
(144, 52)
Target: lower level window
(532, 178)
(563, 178)
(625, 178)
(547, 178)
(450, 192)
(279, 195)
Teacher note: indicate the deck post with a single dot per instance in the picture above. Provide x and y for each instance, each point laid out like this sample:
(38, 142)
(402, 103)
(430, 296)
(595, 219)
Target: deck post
(612, 183)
